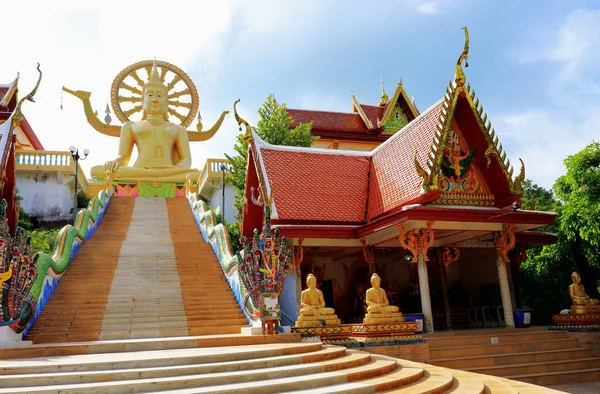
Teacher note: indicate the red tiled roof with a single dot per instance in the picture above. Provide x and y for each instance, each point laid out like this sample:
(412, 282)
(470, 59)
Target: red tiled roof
(317, 186)
(373, 112)
(394, 180)
(340, 121)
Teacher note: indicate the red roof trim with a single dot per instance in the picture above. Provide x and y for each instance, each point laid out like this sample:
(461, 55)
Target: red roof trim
(427, 213)
(30, 134)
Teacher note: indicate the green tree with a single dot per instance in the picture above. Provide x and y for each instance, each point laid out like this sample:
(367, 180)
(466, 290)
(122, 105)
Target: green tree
(275, 128)
(579, 221)
(547, 270)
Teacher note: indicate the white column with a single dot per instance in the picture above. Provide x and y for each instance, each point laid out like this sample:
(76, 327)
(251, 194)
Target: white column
(424, 290)
(505, 291)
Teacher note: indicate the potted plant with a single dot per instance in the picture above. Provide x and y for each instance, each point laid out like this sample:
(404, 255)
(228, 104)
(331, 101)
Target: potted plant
(522, 317)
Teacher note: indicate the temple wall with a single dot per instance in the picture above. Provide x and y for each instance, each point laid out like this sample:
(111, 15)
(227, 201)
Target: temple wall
(46, 195)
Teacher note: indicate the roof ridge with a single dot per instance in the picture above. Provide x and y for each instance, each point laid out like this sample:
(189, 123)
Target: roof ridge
(409, 126)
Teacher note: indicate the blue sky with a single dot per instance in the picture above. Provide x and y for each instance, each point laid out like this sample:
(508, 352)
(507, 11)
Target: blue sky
(534, 64)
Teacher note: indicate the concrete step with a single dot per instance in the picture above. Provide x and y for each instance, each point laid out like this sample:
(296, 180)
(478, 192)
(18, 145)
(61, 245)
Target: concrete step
(511, 358)
(561, 377)
(466, 383)
(74, 377)
(503, 338)
(539, 367)
(143, 344)
(434, 380)
(492, 350)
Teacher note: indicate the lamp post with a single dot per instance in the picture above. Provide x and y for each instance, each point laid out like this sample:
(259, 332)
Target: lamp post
(76, 157)
(223, 170)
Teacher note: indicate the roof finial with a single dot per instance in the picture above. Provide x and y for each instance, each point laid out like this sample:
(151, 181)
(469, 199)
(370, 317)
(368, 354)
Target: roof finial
(459, 76)
(384, 99)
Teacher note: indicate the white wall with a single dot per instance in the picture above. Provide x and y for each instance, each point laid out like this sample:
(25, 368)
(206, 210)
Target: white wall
(216, 199)
(46, 195)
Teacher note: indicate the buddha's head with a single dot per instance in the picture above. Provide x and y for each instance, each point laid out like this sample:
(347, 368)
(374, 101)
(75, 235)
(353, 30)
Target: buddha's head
(311, 281)
(154, 99)
(575, 278)
(375, 280)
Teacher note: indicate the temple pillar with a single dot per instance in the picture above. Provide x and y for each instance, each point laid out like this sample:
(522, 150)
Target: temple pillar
(446, 257)
(418, 243)
(504, 242)
(424, 290)
(444, 280)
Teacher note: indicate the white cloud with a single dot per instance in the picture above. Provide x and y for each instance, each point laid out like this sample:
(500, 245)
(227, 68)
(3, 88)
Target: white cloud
(545, 136)
(83, 45)
(432, 6)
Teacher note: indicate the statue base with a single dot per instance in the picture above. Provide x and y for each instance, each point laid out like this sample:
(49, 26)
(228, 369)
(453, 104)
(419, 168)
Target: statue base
(315, 321)
(143, 189)
(585, 309)
(346, 331)
(576, 320)
(383, 318)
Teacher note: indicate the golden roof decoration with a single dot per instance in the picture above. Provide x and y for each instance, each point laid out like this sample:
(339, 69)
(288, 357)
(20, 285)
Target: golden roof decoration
(384, 99)
(444, 129)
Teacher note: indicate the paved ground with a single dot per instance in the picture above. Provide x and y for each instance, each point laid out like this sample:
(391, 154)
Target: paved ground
(579, 388)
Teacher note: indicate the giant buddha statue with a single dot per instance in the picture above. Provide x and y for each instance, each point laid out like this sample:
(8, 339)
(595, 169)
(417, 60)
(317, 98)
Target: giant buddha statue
(582, 303)
(314, 312)
(163, 147)
(379, 309)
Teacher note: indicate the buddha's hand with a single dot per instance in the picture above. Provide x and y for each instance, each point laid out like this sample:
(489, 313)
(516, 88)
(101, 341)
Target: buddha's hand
(111, 166)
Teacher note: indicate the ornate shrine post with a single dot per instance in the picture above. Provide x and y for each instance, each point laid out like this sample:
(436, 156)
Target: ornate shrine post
(504, 241)
(418, 243)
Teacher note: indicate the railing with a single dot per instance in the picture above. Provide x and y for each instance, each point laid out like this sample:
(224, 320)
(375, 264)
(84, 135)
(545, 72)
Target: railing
(212, 171)
(42, 160)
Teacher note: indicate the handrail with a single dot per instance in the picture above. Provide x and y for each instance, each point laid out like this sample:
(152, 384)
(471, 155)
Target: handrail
(212, 170)
(51, 160)
(218, 237)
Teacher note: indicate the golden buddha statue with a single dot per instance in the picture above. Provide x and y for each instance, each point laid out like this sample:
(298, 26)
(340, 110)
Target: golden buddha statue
(582, 303)
(379, 309)
(314, 312)
(163, 147)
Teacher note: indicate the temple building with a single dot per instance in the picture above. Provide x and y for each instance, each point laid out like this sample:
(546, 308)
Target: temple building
(428, 200)
(45, 179)
(366, 127)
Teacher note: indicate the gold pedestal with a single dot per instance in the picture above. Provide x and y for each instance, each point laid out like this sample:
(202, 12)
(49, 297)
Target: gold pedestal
(585, 309)
(383, 318)
(316, 321)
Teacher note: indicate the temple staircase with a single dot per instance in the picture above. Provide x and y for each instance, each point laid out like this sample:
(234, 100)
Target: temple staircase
(145, 273)
(529, 355)
(137, 310)
(259, 367)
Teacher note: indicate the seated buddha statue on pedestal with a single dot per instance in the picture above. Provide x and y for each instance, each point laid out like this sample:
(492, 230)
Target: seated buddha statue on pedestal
(163, 147)
(379, 309)
(582, 303)
(313, 312)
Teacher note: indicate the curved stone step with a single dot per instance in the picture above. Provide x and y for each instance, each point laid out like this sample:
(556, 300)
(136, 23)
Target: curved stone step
(402, 375)
(254, 381)
(152, 358)
(465, 383)
(434, 380)
(328, 359)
